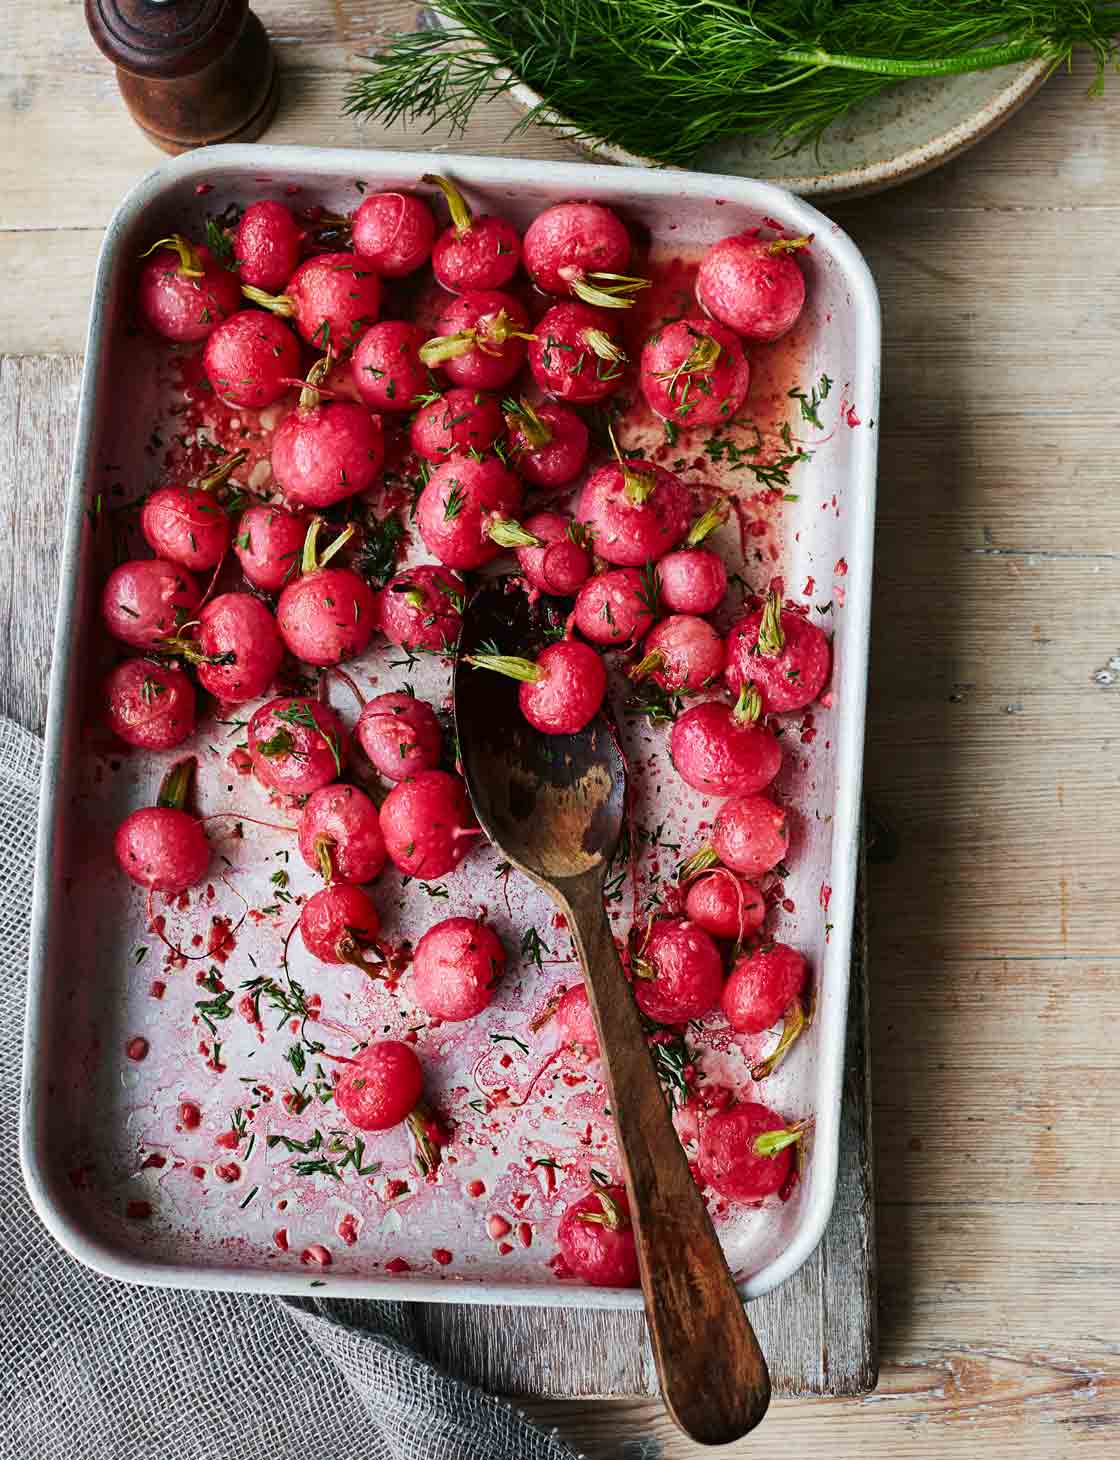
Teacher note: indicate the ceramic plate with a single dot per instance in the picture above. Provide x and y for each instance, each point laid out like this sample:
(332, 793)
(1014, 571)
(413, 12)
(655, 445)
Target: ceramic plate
(898, 135)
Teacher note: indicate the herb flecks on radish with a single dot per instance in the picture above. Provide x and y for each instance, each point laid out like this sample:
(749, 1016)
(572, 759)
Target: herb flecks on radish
(576, 354)
(547, 443)
(746, 1151)
(480, 252)
(326, 615)
(395, 231)
(148, 705)
(721, 750)
(326, 451)
(296, 745)
(781, 653)
(269, 545)
(682, 654)
(386, 367)
(332, 298)
(164, 847)
(583, 250)
(480, 339)
(753, 286)
(250, 358)
(421, 609)
(596, 1239)
(338, 923)
(694, 372)
(456, 968)
(267, 245)
(561, 691)
(184, 293)
(459, 421)
(400, 734)
(340, 835)
(185, 524)
(146, 600)
(466, 512)
(428, 824)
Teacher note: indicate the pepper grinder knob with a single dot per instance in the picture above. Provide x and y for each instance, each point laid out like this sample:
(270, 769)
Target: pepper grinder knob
(192, 72)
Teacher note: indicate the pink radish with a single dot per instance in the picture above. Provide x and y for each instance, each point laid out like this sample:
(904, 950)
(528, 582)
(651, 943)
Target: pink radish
(455, 422)
(596, 1239)
(383, 1088)
(268, 545)
(746, 1151)
(250, 358)
(400, 734)
(582, 250)
(144, 601)
(332, 299)
(693, 580)
(326, 615)
(340, 835)
(479, 340)
(576, 354)
(681, 654)
(422, 608)
(547, 443)
(296, 745)
(465, 513)
(562, 690)
(725, 905)
(267, 245)
(754, 287)
(474, 253)
(784, 656)
(456, 968)
(326, 451)
(386, 367)
(394, 231)
(163, 847)
(236, 648)
(561, 562)
(678, 972)
(767, 984)
(149, 705)
(337, 923)
(185, 525)
(750, 835)
(636, 511)
(184, 293)
(694, 372)
(617, 607)
(428, 824)
(722, 750)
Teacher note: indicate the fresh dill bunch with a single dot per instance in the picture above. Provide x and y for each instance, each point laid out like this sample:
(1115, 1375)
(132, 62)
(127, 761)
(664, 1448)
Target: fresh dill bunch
(666, 78)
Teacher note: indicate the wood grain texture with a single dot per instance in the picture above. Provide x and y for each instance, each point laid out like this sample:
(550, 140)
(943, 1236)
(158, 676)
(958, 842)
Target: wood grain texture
(996, 670)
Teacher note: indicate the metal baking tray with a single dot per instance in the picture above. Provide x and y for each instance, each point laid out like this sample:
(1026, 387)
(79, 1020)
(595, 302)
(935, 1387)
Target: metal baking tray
(99, 1136)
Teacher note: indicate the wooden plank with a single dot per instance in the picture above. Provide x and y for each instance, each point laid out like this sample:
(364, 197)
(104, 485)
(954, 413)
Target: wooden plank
(818, 1329)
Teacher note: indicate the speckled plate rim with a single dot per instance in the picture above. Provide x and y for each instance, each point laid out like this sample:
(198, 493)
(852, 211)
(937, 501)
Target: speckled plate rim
(852, 182)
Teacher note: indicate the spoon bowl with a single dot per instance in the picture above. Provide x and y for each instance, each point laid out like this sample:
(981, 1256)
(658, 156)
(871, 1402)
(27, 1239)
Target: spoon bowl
(555, 807)
(555, 804)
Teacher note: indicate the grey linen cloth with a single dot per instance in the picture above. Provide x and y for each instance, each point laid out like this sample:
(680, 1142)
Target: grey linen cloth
(94, 1369)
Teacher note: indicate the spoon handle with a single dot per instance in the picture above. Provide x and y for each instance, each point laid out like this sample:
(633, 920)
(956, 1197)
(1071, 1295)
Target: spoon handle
(713, 1374)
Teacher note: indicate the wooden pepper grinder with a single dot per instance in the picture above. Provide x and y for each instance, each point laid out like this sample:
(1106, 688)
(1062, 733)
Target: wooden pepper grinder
(192, 72)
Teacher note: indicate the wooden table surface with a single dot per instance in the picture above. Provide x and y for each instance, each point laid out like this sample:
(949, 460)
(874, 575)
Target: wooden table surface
(995, 696)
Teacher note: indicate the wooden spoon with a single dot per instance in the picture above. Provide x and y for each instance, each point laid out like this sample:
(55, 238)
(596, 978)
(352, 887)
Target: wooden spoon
(555, 806)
